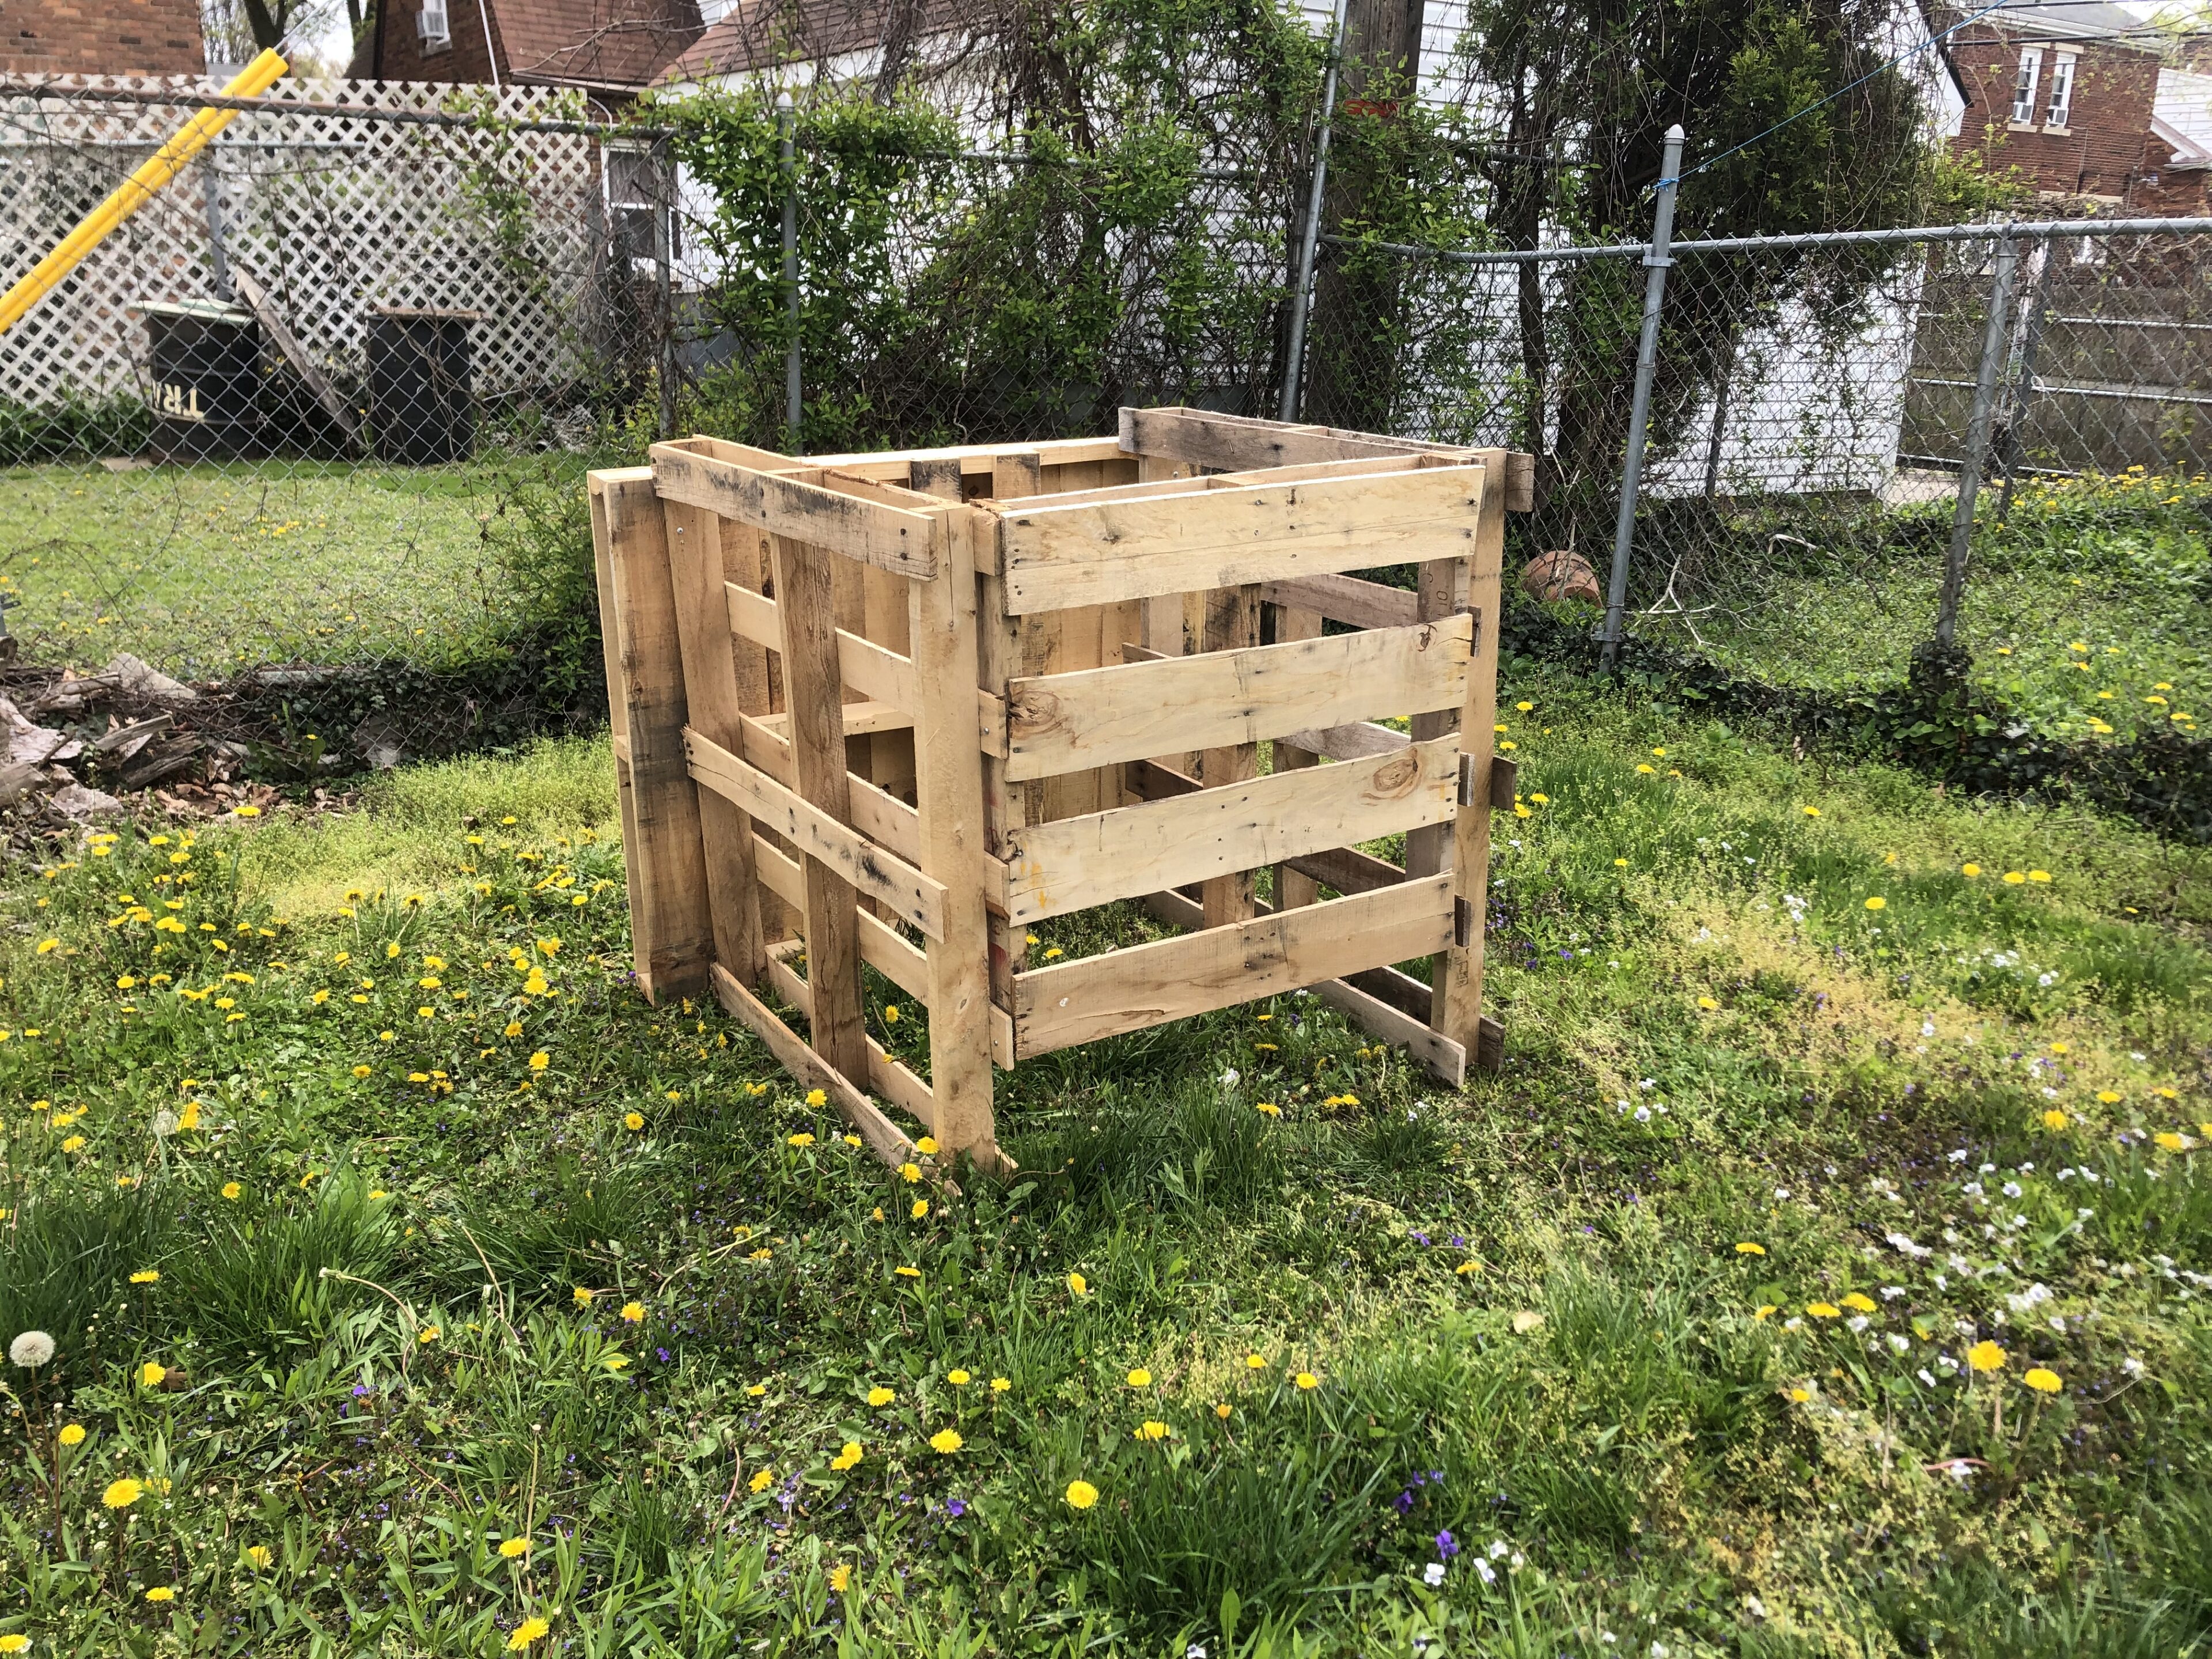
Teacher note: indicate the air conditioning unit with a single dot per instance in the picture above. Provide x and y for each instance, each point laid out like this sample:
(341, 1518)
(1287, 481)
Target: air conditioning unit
(432, 28)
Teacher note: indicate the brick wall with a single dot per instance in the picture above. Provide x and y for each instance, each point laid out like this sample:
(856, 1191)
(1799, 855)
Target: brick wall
(2099, 150)
(405, 56)
(2161, 192)
(100, 37)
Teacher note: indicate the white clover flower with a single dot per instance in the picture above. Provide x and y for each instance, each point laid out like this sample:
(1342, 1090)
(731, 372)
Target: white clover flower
(31, 1350)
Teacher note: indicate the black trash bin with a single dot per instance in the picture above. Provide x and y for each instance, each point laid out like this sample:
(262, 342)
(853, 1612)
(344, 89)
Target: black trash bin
(206, 376)
(421, 405)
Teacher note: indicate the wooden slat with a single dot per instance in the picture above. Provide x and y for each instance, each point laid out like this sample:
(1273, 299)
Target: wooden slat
(1238, 443)
(888, 538)
(1346, 869)
(1354, 742)
(887, 1075)
(671, 922)
(274, 326)
(1443, 1059)
(884, 819)
(619, 707)
(1185, 484)
(1231, 630)
(1058, 868)
(1291, 887)
(1057, 557)
(1441, 592)
(839, 865)
(1400, 991)
(881, 946)
(715, 710)
(1440, 1057)
(851, 857)
(949, 795)
(879, 675)
(861, 720)
(884, 1139)
(1347, 599)
(1174, 979)
(898, 467)
(1233, 442)
(1063, 721)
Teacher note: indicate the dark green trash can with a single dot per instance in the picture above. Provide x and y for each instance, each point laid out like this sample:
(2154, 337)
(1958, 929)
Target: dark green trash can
(205, 370)
(422, 403)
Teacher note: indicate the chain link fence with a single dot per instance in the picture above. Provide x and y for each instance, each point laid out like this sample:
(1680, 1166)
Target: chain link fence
(308, 431)
(262, 443)
(1818, 406)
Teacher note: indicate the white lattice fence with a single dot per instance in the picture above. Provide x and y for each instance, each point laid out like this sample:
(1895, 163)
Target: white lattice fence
(332, 215)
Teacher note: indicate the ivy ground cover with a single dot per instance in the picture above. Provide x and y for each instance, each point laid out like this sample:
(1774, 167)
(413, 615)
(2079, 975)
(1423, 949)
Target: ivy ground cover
(1824, 1274)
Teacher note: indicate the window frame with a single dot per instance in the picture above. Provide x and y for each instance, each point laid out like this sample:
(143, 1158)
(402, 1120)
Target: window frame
(2064, 66)
(2027, 81)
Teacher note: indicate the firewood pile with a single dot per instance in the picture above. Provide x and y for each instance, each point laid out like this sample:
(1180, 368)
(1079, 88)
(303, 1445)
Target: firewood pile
(81, 746)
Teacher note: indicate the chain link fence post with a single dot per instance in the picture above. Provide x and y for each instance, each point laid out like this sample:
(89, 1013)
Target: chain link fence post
(1647, 357)
(788, 120)
(664, 253)
(1995, 344)
(2014, 446)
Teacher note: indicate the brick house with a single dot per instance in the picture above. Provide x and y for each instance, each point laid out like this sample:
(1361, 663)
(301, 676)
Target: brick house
(113, 37)
(2177, 162)
(612, 47)
(2066, 93)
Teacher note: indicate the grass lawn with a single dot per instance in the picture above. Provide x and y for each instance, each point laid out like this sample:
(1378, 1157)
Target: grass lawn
(1826, 1273)
(204, 568)
(2090, 612)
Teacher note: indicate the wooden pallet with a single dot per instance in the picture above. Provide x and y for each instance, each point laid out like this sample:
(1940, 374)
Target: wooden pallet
(896, 710)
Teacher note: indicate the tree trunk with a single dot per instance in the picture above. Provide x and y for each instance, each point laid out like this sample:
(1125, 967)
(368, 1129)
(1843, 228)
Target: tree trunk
(1352, 370)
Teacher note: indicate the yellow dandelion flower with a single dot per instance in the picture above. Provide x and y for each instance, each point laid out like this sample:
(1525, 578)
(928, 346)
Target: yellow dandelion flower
(122, 1494)
(633, 1313)
(2042, 1380)
(1140, 1378)
(1078, 1284)
(72, 1434)
(880, 1395)
(1985, 1356)
(945, 1442)
(1877, 902)
(529, 1630)
(1747, 1248)
(1307, 1381)
(514, 1548)
(1080, 1495)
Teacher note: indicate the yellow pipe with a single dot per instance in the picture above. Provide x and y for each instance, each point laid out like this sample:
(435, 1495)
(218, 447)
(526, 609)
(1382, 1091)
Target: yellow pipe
(136, 191)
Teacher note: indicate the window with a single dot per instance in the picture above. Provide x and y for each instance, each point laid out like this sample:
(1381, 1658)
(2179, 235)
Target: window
(635, 210)
(2023, 92)
(431, 27)
(2061, 89)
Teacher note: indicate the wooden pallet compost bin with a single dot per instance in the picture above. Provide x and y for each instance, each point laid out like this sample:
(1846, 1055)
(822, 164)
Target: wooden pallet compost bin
(898, 710)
